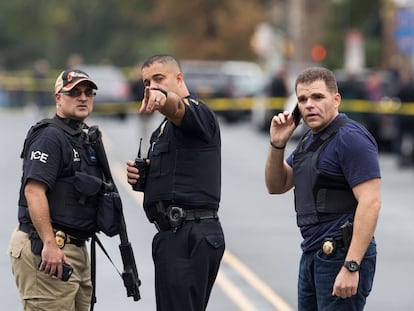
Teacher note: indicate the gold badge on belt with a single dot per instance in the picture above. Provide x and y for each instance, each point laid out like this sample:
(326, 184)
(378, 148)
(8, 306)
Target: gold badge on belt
(328, 247)
(61, 238)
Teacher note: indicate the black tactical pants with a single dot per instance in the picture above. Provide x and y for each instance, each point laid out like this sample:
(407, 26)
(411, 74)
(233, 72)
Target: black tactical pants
(186, 265)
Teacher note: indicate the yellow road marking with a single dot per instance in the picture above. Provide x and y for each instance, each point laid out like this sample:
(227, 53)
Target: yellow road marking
(234, 294)
(254, 281)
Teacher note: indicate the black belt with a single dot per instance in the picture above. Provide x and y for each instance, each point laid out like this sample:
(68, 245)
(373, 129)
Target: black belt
(198, 214)
(27, 228)
(175, 216)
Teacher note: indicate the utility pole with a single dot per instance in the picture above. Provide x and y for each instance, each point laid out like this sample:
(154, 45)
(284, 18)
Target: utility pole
(391, 58)
(304, 26)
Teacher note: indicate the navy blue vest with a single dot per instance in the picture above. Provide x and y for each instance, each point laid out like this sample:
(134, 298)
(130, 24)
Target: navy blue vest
(319, 197)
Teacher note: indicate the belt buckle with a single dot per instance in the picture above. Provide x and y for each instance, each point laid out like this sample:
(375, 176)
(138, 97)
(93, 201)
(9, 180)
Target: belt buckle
(328, 246)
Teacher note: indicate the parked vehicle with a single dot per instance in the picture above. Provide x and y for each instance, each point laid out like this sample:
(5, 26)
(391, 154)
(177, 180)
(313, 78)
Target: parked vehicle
(227, 86)
(113, 95)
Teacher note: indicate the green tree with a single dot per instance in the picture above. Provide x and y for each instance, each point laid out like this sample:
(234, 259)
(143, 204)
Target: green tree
(124, 32)
(212, 29)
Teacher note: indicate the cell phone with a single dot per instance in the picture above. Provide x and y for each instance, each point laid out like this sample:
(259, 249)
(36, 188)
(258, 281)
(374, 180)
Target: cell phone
(296, 115)
(66, 273)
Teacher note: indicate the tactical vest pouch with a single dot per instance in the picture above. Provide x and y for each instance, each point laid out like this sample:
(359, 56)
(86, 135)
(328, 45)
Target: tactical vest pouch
(74, 202)
(87, 184)
(109, 214)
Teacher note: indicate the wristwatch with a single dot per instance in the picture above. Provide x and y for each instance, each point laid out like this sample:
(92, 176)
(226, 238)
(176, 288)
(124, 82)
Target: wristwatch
(352, 266)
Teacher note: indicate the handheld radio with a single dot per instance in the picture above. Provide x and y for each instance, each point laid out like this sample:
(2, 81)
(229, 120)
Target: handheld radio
(141, 165)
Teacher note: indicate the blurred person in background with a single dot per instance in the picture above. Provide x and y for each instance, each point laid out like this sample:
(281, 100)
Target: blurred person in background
(56, 216)
(375, 122)
(182, 189)
(336, 178)
(137, 95)
(137, 85)
(277, 86)
(352, 89)
(4, 96)
(404, 142)
(41, 83)
(74, 61)
(373, 87)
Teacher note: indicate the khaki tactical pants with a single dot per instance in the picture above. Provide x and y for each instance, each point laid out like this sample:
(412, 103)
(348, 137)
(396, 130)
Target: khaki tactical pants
(40, 292)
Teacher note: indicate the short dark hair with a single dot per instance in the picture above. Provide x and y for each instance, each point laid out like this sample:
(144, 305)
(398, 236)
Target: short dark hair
(161, 58)
(313, 74)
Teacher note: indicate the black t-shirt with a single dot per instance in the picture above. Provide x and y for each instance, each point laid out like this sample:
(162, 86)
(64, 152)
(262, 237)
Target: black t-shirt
(50, 155)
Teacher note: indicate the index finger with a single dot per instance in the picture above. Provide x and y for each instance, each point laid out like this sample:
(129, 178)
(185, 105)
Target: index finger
(145, 100)
(143, 107)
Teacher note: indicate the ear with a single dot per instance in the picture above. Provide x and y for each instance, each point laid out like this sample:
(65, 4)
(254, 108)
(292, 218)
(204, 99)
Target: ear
(58, 97)
(337, 98)
(180, 78)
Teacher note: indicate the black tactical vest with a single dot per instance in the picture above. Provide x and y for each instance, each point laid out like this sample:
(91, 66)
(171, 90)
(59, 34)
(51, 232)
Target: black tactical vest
(182, 170)
(73, 201)
(319, 197)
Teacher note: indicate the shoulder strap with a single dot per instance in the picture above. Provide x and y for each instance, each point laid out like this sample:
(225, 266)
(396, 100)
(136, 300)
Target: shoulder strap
(62, 125)
(328, 133)
(43, 123)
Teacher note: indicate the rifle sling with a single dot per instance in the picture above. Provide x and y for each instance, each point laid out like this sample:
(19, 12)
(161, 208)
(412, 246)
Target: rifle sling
(96, 240)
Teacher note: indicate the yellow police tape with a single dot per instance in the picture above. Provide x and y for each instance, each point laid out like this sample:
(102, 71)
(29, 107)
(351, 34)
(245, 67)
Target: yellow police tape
(248, 104)
(23, 81)
(276, 104)
(387, 106)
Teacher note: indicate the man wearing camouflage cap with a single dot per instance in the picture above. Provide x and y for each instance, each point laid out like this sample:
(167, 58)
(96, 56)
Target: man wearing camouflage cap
(48, 252)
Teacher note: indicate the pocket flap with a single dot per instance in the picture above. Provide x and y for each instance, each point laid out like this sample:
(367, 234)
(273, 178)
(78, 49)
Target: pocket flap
(87, 184)
(161, 147)
(215, 240)
(15, 251)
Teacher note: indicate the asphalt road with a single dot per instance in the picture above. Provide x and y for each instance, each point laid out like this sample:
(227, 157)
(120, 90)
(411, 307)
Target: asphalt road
(259, 269)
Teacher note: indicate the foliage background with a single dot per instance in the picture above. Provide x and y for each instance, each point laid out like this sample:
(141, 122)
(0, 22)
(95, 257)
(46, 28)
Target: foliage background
(124, 32)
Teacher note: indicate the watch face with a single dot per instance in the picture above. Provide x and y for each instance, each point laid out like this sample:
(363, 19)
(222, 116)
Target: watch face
(351, 266)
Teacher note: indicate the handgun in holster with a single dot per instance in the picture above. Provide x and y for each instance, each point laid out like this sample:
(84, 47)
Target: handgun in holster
(346, 232)
(36, 243)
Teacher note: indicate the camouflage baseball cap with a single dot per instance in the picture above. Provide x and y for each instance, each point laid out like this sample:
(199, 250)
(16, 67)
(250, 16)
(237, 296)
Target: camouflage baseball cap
(69, 78)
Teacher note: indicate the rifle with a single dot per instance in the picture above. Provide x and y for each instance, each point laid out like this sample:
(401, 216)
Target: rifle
(130, 272)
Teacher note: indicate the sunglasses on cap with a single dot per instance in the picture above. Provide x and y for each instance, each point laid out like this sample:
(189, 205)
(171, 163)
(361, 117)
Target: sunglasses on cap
(76, 92)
